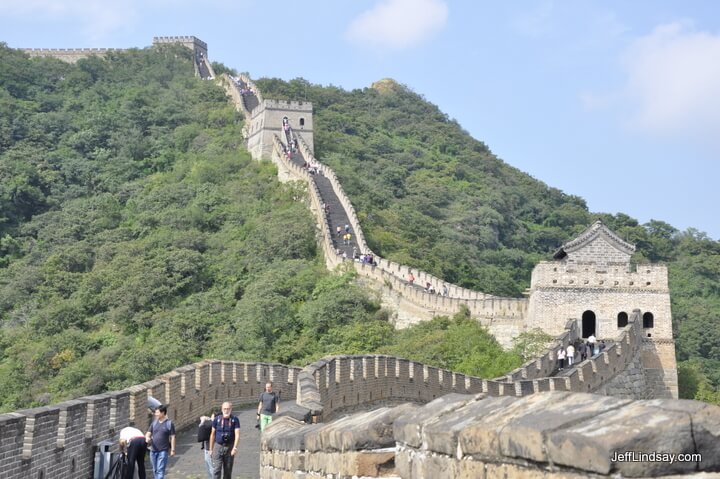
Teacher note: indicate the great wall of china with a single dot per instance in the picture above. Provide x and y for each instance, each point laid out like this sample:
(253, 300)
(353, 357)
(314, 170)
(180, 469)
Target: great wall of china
(468, 427)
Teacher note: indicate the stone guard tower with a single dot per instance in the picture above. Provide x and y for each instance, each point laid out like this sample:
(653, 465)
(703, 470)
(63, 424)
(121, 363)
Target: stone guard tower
(266, 122)
(593, 280)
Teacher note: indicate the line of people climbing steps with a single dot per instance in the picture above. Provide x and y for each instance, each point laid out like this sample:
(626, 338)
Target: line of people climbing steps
(582, 349)
(242, 87)
(292, 148)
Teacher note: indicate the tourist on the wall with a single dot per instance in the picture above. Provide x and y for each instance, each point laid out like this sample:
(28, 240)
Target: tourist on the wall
(161, 437)
(582, 350)
(224, 441)
(268, 405)
(204, 431)
(570, 355)
(561, 358)
(133, 445)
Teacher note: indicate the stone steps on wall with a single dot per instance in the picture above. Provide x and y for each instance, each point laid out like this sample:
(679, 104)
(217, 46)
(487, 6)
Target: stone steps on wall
(337, 215)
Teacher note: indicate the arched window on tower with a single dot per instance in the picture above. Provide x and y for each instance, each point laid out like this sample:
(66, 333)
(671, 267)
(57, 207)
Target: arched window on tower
(302, 123)
(622, 319)
(648, 320)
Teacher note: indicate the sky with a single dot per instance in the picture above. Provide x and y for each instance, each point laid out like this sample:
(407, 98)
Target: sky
(614, 101)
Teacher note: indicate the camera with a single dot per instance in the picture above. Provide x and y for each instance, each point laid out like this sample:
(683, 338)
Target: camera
(225, 438)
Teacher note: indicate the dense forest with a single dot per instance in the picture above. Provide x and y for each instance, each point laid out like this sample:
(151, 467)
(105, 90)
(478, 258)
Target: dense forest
(136, 235)
(430, 196)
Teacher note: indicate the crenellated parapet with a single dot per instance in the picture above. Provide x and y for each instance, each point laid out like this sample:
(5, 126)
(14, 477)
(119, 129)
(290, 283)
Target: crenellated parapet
(69, 55)
(58, 441)
(554, 435)
(193, 43)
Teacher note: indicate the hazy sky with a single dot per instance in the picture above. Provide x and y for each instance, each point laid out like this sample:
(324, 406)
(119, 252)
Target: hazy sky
(614, 101)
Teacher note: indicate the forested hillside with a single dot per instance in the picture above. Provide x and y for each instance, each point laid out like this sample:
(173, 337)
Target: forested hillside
(430, 196)
(136, 236)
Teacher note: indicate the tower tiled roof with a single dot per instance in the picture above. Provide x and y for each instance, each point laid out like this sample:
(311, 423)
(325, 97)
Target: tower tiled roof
(586, 237)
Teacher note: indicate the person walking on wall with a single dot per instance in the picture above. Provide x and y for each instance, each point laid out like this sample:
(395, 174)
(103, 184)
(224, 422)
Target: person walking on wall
(132, 444)
(561, 358)
(204, 431)
(224, 440)
(161, 437)
(570, 355)
(269, 404)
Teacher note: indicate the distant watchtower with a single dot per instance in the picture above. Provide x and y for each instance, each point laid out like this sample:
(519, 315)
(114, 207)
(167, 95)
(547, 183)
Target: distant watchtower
(203, 67)
(593, 280)
(193, 43)
(266, 122)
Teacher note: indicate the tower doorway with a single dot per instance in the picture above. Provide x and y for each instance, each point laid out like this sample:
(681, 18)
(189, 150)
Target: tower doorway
(588, 324)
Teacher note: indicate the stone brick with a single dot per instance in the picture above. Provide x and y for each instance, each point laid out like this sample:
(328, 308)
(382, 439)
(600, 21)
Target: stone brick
(523, 436)
(408, 427)
(482, 437)
(441, 435)
(591, 445)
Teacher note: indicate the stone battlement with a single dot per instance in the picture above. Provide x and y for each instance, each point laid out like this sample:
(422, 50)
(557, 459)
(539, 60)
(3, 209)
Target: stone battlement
(188, 39)
(551, 435)
(304, 106)
(649, 277)
(57, 441)
(70, 55)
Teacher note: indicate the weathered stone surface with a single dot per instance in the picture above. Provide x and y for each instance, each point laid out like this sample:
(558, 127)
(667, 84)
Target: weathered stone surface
(441, 435)
(592, 444)
(408, 427)
(523, 436)
(367, 463)
(369, 430)
(470, 469)
(705, 419)
(439, 466)
(482, 437)
(296, 412)
(286, 434)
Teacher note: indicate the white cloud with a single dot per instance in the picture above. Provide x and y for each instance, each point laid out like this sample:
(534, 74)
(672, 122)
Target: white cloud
(398, 24)
(673, 82)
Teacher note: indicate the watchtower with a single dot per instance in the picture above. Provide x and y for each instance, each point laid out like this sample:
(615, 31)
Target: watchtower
(193, 43)
(593, 280)
(266, 121)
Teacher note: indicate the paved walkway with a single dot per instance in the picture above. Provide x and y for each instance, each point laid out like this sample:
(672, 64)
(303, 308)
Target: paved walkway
(189, 462)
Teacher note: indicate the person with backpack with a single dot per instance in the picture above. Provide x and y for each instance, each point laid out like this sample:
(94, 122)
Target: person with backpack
(224, 440)
(269, 404)
(161, 437)
(204, 431)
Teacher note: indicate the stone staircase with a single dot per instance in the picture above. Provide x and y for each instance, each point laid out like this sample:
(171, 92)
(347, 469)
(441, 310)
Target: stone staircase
(335, 213)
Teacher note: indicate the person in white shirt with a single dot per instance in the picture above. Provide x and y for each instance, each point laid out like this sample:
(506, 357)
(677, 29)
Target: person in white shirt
(570, 354)
(132, 443)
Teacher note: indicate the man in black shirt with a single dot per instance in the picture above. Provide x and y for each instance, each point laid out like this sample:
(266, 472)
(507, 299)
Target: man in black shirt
(269, 404)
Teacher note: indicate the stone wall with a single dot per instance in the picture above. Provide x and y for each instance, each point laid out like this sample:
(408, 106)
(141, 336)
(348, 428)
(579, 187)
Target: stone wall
(560, 290)
(548, 435)
(339, 384)
(70, 55)
(191, 42)
(58, 441)
(565, 290)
